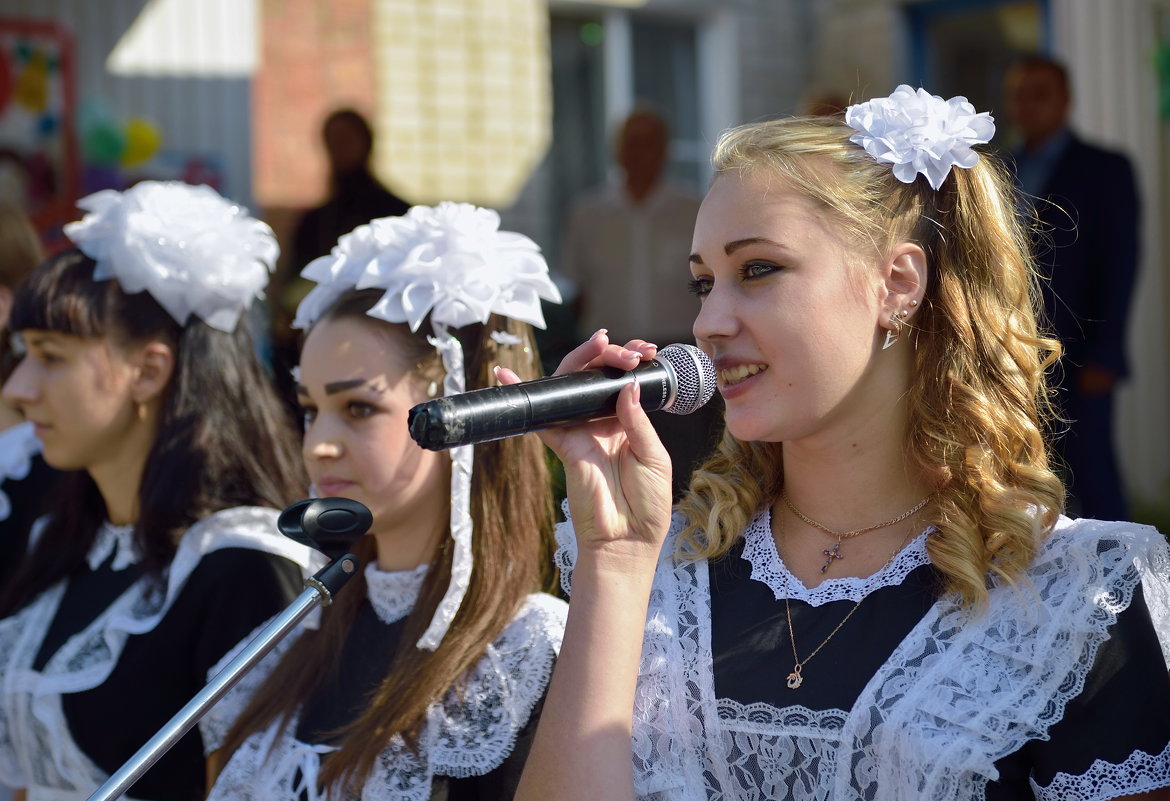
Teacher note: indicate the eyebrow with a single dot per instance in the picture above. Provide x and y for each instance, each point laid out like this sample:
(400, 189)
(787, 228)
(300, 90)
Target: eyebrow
(731, 247)
(334, 387)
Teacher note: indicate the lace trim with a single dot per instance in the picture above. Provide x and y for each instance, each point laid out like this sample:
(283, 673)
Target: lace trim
(36, 750)
(469, 732)
(18, 445)
(116, 540)
(766, 718)
(759, 550)
(393, 593)
(1139, 773)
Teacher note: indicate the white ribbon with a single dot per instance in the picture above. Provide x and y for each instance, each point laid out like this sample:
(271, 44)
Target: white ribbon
(461, 461)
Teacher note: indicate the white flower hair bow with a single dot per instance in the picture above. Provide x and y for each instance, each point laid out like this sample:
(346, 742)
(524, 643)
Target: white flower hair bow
(918, 132)
(449, 260)
(192, 250)
(452, 262)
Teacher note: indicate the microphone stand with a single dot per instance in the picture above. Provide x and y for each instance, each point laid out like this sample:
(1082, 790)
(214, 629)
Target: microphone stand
(319, 590)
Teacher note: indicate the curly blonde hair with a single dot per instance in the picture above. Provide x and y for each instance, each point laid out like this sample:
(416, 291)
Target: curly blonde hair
(978, 397)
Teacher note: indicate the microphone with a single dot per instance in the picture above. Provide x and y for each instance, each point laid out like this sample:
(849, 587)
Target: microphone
(678, 380)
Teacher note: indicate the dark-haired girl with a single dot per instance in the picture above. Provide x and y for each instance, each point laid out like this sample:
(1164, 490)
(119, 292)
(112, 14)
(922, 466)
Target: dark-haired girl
(423, 679)
(140, 377)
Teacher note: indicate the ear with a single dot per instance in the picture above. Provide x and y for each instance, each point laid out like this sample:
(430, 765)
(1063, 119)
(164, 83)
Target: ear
(154, 365)
(904, 282)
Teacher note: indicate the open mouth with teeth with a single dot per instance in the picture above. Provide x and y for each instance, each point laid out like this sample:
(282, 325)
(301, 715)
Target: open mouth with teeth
(733, 375)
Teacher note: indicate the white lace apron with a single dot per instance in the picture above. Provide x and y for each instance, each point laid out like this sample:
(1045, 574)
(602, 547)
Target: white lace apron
(956, 695)
(465, 734)
(37, 751)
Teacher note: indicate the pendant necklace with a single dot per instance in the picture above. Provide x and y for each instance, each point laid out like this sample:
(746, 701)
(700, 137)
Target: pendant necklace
(796, 678)
(834, 553)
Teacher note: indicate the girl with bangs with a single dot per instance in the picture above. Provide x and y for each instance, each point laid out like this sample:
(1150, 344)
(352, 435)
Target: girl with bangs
(870, 591)
(424, 678)
(139, 375)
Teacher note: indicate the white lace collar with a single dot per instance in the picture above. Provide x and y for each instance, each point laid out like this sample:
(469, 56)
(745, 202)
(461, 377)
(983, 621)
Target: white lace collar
(393, 593)
(117, 540)
(759, 549)
(18, 445)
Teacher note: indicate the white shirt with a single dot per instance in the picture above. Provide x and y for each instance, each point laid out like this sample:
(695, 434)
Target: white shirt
(630, 261)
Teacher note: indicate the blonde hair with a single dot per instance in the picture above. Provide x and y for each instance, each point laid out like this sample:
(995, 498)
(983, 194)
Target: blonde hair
(978, 396)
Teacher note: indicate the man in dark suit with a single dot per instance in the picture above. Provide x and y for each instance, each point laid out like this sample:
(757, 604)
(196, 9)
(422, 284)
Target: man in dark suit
(1086, 203)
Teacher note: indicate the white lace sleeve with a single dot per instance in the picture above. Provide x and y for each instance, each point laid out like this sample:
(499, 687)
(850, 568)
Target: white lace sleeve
(472, 732)
(674, 649)
(566, 553)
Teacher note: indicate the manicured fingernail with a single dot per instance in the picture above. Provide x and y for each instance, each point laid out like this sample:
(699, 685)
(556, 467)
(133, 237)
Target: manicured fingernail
(631, 354)
(496, 371)
(599, 332)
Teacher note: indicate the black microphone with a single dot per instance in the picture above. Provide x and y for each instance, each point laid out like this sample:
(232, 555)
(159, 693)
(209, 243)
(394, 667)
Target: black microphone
(679, 380)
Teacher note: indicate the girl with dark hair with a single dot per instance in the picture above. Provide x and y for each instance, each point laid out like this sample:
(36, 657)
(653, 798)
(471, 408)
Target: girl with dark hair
(423, 679)
(140, 377)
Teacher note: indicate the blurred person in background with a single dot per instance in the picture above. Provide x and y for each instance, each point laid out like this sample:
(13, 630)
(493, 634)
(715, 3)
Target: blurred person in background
(355, 196)
(1088, 213)
(632, 235)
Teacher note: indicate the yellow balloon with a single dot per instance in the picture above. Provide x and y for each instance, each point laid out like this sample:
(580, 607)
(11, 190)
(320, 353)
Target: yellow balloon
(142, 141)
(32, 87)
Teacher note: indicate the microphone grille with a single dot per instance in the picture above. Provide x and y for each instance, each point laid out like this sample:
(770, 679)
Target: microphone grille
(696, 377)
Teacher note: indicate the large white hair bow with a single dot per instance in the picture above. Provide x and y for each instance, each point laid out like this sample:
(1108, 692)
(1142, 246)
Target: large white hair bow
(452, 262)
(918, 132)
(192, 250)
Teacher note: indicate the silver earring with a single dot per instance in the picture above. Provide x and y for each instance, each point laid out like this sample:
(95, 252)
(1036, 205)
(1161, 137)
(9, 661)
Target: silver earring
(894, 331)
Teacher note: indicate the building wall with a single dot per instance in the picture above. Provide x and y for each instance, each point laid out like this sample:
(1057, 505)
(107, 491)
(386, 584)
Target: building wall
(194, 88)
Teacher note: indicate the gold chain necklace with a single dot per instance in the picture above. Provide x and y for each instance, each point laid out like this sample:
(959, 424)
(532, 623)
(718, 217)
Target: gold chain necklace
(795, 679)
(834, 553)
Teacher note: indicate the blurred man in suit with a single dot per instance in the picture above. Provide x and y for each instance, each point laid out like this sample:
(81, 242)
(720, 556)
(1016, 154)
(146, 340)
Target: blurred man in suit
(1086, 202)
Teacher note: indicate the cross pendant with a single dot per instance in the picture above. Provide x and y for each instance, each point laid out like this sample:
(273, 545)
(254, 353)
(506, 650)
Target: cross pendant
(832, 553)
